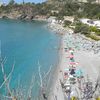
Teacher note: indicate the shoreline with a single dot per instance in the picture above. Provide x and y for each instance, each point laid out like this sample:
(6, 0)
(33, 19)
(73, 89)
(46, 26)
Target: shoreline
(56, 71)
(61, 31)
(57, 93)
(25, 19)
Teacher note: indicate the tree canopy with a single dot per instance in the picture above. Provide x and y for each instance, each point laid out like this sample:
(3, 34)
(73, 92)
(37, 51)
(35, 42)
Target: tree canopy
(11, 2)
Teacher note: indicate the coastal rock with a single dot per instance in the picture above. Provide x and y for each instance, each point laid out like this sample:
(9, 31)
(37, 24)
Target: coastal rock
(4, 17)
(29, 17)
(23, 16)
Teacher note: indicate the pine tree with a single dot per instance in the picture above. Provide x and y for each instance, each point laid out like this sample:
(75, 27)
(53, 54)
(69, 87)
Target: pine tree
(11, 2)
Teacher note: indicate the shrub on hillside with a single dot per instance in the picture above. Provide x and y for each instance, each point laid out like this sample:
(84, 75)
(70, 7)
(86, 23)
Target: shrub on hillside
(67, 23)
(82, 28)
(94, 37)
(94, 29)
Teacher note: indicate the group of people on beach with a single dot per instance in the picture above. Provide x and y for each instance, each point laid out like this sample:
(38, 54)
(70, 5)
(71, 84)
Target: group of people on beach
(80, 42)
(71, 75)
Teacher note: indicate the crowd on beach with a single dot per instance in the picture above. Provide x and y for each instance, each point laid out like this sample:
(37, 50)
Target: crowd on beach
(87, 44)
(80, 41)
(71, 76)
(74, 83)
(72, 80)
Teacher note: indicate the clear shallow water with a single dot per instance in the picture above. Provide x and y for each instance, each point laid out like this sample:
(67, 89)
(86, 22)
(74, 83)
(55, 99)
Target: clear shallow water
(27, 43)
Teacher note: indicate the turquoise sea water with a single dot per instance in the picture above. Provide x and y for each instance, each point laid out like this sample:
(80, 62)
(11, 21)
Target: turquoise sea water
(27, 43)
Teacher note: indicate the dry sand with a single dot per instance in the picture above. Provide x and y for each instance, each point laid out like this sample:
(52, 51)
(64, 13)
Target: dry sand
(88, 61)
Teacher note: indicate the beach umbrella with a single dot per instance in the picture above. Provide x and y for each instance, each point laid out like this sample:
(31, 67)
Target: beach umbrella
(72, 60)
(79, 73)
(71, 56)
(73, 63)
(66, 69)
(71, 51)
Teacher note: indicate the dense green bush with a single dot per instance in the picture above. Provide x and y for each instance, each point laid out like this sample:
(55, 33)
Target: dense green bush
(67, 23)
(94, 37)
(94, 29)
(11, 2)
(64, 8)
(59, 17)
(82, 28)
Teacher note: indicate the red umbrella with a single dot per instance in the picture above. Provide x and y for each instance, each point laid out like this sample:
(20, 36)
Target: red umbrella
(73, 63)
(71, 56)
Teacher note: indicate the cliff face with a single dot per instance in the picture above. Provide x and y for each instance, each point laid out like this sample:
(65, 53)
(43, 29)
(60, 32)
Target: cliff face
(27, 11)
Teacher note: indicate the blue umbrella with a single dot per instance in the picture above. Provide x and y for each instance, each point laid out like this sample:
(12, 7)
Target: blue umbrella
(79, 73)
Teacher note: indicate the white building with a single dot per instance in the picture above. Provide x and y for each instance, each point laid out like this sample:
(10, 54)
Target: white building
(97, 23)
(90, 22)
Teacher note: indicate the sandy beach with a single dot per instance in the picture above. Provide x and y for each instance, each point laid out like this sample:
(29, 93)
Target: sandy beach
(87, 60)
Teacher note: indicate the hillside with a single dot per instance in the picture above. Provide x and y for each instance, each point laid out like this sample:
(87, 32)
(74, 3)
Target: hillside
(58, 8)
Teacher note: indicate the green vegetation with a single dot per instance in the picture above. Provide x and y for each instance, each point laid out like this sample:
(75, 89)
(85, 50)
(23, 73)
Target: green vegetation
(95, 30)
(93, 36)
(67, 23)
(12, 2)
(60, 18)
(59, 9)
(74, 8)
(82, 28)
(89, 31)
(63, 8)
